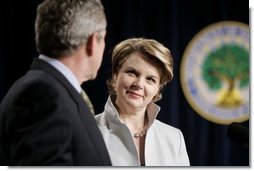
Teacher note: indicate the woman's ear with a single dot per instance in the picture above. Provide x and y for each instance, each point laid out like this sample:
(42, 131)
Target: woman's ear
(114, 78)
(157, 97)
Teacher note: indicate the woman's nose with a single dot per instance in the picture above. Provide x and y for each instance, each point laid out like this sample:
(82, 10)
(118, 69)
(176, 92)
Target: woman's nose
(138, 84)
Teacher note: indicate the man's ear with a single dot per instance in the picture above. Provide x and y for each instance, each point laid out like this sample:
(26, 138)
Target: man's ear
(90, 44)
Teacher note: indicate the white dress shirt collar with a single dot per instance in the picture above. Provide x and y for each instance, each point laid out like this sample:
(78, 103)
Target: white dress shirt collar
(64, 70)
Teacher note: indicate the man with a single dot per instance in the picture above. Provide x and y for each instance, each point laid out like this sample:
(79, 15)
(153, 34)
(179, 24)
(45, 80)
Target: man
(43, 118)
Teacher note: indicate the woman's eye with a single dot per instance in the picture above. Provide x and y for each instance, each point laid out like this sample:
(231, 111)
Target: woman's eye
(151, 80)
(131, 73)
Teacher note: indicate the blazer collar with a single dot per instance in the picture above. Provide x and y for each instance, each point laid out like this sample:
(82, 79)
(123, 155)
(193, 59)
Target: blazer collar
(112, 113)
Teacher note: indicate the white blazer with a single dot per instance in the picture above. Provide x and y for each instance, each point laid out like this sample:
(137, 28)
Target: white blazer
(164, 144)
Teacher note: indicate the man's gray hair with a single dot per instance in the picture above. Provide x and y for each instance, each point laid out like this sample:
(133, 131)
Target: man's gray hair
(63, 25)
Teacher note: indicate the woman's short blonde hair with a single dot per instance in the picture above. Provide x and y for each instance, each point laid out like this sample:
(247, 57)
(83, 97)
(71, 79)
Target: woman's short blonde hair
(149, 48)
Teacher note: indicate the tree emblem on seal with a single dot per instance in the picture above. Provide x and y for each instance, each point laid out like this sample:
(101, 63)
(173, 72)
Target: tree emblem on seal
(226, 70)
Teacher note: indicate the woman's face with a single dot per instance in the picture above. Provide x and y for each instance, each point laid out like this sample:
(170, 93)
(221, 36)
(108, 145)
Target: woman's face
(137, 82)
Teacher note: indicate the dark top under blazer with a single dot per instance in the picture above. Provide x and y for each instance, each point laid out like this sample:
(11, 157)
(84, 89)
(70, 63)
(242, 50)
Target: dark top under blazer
(44, 121)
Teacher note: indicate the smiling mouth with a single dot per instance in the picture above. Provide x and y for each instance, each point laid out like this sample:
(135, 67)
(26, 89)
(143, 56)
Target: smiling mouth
(134, 94)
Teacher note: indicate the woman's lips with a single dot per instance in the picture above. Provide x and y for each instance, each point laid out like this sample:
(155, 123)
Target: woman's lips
(133, 94)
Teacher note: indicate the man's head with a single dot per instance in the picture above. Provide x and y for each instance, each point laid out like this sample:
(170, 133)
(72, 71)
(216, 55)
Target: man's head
(64, 25)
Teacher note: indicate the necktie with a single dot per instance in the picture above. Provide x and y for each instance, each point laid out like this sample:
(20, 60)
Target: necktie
(87, 100)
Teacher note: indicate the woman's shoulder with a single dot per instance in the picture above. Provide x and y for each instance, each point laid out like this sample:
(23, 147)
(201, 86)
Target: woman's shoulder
(100, 118)
(163, 127)
(103, 124)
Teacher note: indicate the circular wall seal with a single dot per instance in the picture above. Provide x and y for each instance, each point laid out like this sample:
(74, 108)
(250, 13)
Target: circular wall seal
(214, 72)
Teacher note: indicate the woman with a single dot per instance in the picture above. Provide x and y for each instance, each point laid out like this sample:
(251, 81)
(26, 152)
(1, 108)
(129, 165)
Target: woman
(140, 69)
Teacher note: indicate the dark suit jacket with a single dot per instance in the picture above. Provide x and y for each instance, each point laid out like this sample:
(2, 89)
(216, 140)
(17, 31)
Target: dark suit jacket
(44, 121)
